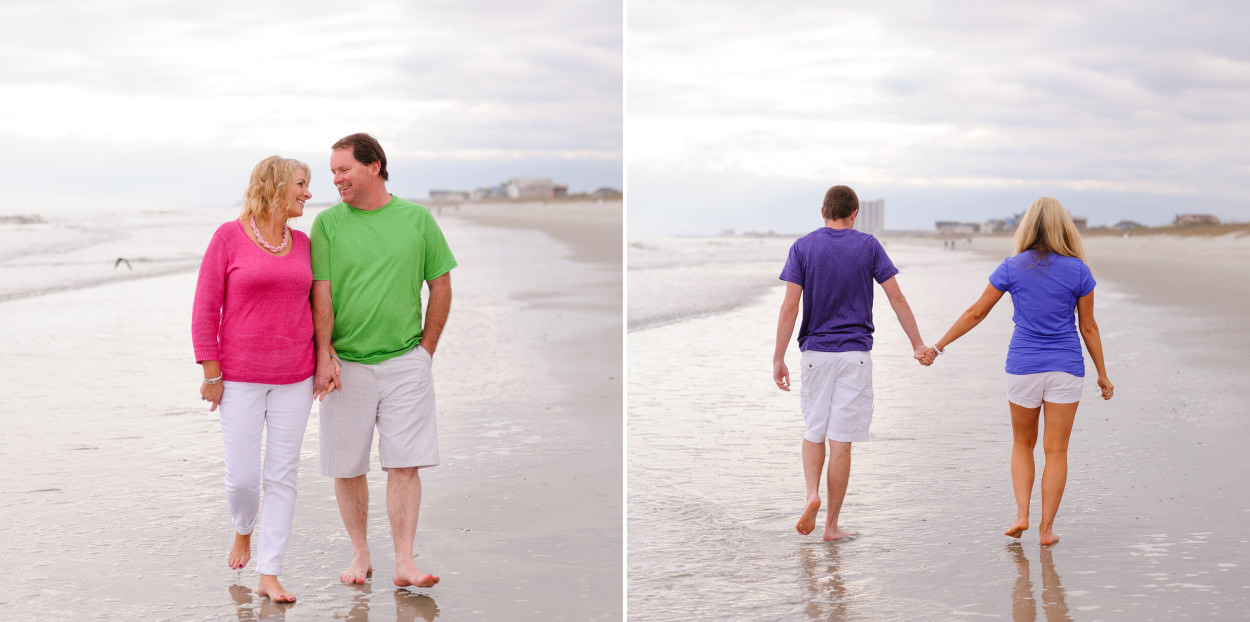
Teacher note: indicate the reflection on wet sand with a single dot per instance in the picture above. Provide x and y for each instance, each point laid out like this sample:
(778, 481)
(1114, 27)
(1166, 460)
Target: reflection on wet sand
(822, 569)
(409, 606)
(265, 609)
(1023, 604)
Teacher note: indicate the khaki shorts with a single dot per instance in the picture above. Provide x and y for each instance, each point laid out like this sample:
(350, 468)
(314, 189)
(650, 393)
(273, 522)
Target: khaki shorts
(1056, 387)
(397, 397)
(836, 396)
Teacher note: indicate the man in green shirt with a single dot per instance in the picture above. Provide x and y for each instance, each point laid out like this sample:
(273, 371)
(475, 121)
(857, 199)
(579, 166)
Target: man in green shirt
(371, 253)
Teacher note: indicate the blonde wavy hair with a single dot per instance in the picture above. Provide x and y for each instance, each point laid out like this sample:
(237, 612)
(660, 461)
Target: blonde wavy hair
(269, 183)
(1047, 228)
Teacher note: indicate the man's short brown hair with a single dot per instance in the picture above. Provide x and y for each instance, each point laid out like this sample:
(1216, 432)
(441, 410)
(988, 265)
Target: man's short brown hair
(366, 150)
(840, 202)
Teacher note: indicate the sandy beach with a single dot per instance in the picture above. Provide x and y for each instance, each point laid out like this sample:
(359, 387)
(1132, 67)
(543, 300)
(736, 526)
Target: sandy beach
(1155, 488)
(113, 496)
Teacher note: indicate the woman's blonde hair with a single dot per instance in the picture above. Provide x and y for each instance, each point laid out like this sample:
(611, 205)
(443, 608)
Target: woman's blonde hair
(1047, 228)
(270, 180)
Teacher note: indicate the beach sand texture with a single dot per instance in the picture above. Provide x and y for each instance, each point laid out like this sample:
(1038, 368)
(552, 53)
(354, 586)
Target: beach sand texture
(112, 496)
(1156, 488)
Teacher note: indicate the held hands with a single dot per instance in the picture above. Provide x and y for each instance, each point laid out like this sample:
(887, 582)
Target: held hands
(327, 376)
(925, 355)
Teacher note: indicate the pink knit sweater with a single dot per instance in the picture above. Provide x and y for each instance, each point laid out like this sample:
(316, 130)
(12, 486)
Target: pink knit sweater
(252, 310)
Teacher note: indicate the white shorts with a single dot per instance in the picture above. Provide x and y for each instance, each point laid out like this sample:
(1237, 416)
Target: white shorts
(1056, 387)
(396, 396)
(836, 396)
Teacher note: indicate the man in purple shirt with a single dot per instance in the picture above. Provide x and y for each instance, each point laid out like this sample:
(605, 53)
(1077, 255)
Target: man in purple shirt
(831, 270)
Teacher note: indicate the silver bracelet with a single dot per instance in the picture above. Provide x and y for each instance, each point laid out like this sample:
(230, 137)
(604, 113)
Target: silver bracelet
(935, 349)
(213, 380)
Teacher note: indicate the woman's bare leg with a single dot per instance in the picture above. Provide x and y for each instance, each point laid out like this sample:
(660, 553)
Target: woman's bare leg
(1024, 438)
(1059, 420)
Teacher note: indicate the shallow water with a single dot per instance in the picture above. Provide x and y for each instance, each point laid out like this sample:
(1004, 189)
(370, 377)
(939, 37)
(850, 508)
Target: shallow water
(715, 483)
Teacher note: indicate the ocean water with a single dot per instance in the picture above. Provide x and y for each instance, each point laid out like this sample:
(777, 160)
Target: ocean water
(112, 496)
(1149, 519)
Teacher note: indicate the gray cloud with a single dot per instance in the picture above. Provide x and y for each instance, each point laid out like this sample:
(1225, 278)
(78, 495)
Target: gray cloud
(981, 98)
(493, 84)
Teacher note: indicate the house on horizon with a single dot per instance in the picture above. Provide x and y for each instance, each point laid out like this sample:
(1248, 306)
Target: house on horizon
(1183, 220)
(957, 228)
(534, 188)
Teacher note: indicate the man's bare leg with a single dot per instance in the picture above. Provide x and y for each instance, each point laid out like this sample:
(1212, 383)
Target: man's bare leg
(839, 476)
(403, 505)
(240, 551)
(1024, 439)
(352, 494)
(271, 588)
(1059, 420)
(813, 467)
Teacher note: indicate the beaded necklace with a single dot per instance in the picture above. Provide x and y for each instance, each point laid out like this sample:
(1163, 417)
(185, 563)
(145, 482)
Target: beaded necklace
(286, 238)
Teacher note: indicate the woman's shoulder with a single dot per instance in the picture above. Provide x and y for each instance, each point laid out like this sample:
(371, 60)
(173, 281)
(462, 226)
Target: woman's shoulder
(228, 231)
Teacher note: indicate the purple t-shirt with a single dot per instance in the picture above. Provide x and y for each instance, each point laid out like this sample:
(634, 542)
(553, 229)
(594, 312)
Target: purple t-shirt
(1044, 294)
(836, 269)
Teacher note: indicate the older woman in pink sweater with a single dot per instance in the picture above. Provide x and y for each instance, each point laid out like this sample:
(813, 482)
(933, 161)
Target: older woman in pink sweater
(252, 330)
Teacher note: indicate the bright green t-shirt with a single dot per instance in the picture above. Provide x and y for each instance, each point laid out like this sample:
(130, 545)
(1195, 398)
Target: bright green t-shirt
(376, 262)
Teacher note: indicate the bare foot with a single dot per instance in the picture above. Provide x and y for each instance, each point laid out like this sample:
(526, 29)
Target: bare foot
(241, 552)
(1048, 538)
(1017, 528)
(409, 574)
(358, 571)
(834, 533)
(807, 522)
(269, 587)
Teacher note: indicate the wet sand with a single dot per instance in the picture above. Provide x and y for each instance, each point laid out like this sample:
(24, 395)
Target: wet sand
(112, 496)
(1150, 516)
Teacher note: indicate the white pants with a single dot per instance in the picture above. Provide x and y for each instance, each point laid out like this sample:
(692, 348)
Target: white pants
(281, 412)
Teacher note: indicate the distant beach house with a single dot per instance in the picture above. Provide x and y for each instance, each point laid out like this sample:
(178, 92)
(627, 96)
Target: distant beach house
(534, 188)
(957, 228)
(1195, 219)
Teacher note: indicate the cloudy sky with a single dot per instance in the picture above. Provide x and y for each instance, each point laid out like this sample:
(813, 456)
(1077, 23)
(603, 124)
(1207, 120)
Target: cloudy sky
(740, 115)
(154, 103)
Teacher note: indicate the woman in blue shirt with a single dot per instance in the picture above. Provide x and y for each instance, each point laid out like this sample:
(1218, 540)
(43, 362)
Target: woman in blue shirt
(1048, 281)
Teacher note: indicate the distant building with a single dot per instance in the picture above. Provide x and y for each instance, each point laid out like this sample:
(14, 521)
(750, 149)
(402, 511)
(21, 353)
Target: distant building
(995, 225)
(1081, 222)
(1183, 220)
(534, 188)
(486, 193)
(957, 228)
(871, 217)
(1127, 225)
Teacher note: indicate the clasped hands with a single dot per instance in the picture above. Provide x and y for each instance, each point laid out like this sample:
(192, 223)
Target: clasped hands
(925, 355)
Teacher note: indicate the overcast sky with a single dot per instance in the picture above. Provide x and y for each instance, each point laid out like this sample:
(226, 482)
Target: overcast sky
(154, 103)
(742, 114)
